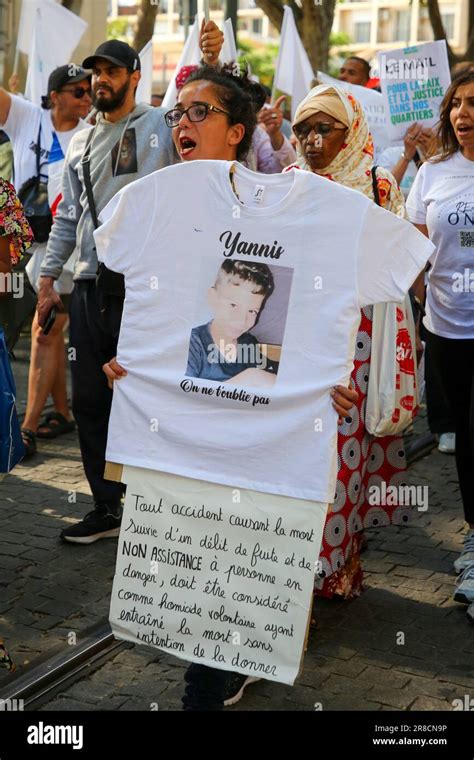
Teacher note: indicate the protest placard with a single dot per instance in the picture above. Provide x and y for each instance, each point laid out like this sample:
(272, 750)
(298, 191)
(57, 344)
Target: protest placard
(413, 82)
(216, 575)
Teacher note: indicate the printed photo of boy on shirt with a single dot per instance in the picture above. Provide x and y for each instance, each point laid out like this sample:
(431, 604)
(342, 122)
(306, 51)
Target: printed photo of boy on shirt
(224, 349)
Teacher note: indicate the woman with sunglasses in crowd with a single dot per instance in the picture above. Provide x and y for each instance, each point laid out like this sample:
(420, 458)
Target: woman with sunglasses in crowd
(334, 141)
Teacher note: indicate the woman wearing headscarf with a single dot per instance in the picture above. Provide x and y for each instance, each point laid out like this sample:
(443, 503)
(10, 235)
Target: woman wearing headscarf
(15, 238)
(334, 141)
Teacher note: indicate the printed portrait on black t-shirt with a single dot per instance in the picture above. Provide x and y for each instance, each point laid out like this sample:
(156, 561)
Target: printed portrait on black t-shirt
(126, 163)
(241, 324)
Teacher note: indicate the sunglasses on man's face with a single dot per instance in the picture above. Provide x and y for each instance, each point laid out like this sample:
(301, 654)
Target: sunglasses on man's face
(77, 92)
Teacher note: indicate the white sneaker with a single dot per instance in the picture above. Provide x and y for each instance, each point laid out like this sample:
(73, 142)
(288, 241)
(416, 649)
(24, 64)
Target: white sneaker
(466, 557)
(464, 592)
(470, 613)
(447, 443)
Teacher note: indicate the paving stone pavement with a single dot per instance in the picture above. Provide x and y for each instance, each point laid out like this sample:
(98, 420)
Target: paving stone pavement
(403, 645)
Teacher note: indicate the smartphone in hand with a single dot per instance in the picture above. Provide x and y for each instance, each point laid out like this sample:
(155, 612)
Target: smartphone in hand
(50, 320)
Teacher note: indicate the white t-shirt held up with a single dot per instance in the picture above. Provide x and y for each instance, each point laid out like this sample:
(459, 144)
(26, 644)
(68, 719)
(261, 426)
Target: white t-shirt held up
(336, 251)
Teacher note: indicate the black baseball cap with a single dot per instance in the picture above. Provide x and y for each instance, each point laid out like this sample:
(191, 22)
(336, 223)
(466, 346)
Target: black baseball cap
(70, 73)
(116, 52)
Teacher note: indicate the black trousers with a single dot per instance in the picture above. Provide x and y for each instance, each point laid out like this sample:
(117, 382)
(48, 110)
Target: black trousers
(437, 406)
(453, 360)
(93, 342)
(205, 687)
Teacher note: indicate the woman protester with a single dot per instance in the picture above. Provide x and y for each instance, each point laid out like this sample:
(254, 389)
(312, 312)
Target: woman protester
(15, 238)
(335, 142)
(16, 235)
(215, 119)
(441, 205)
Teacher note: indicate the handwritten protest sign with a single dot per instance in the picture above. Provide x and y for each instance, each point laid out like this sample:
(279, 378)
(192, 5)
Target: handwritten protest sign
(413, 82)
(216, 575)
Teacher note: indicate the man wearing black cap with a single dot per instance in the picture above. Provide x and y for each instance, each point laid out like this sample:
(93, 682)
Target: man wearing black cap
(128, 142)
(46, 132)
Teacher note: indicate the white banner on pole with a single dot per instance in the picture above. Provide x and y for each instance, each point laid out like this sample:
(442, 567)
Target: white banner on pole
(52, 39)
(413, 81)
(293, 72)
(41, 63)
(191, 55)
(212, 578)
(63, 29)
(374, 108)
(145, 84)
(229, 48)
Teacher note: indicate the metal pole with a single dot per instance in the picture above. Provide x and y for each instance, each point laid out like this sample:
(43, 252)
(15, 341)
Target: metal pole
(186, 10)
(231, 7)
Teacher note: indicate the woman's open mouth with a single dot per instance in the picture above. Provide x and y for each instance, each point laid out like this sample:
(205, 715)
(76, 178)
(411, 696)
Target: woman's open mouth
(464, 129)
(186, 145)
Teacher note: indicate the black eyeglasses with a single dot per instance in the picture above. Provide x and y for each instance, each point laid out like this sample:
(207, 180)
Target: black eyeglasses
(323, 128)
(77, 92)
(196, 112)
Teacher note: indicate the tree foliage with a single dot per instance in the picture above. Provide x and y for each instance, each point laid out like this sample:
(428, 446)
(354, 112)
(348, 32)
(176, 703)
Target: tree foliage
(145, 25)
(314, 23)
(439, 31)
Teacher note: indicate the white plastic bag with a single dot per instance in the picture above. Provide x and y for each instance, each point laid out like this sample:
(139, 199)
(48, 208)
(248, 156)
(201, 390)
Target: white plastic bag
(392, 394)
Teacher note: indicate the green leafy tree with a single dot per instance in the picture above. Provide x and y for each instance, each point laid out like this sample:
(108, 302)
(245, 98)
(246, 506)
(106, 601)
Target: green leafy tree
(314, 22)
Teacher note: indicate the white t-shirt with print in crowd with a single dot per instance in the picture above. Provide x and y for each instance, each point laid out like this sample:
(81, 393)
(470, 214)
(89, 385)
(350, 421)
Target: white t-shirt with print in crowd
(170, 234)
(442, 198)
(23, 127)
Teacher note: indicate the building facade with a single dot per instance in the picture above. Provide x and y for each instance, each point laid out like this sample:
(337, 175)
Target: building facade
(374, 25)
(368, 25)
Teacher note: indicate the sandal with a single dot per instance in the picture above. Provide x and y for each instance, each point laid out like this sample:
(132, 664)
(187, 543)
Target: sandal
(29, 442)
(55, 424)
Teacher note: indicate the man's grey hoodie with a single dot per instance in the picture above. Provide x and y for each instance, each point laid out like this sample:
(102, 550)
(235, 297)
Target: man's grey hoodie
(120, 153)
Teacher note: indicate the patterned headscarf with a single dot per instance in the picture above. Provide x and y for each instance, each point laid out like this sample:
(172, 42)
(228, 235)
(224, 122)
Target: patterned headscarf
(352, 167)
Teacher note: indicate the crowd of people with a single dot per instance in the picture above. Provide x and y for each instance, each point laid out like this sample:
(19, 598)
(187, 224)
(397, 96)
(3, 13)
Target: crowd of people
(224, 115)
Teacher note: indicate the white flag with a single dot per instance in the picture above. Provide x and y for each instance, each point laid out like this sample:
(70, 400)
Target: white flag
(51, 38)
(41, 63)
(229, 48)
(190, 56)
(63, 29)
(293, 73)
(146, 82)
(373, 104)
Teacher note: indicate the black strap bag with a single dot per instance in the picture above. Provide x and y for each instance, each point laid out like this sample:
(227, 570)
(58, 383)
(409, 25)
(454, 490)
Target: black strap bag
(109, 283)
(33, 194)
